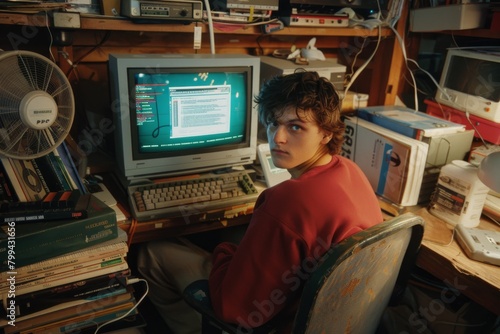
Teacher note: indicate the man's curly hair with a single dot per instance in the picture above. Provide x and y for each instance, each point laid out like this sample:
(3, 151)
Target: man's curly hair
(303, 91)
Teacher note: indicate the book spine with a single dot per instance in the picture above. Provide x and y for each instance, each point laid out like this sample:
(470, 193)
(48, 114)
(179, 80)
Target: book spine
(57, 170)
(63, 170)
(28, 307)
(16, 185)
(65, 210)
(7, 191)
(55, 238)
(28, 288)
(78, 258)
(49, 174)
(79, 322)
(66, 310)
(61, 272)
(71, 169)
(83, 288)
(79, 326)
(40, 175)
(46, 215)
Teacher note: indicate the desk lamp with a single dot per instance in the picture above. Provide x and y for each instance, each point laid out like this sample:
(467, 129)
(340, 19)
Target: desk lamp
(482, 245)
(489, 171)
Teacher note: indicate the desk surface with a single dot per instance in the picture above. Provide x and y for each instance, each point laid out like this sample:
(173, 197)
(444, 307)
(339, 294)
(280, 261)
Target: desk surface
(446, 260)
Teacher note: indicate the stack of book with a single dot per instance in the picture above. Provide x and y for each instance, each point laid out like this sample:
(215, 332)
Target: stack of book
(32, 179)
(65, 276)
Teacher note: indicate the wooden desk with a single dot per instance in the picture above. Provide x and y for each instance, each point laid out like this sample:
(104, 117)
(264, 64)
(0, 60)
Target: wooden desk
(477, 280)
(195, 223)
(446, 261)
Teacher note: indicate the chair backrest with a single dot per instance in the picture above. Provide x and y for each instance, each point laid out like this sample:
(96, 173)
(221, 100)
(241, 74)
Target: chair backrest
(354, 281)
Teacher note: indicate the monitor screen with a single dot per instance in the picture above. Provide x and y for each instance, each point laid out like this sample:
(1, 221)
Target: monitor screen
(179, 114)
(474, 76)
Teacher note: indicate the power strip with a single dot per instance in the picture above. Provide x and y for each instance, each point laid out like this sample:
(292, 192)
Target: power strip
(311, 20)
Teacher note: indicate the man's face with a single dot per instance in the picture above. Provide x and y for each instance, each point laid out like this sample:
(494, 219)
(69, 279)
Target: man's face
(294, 140)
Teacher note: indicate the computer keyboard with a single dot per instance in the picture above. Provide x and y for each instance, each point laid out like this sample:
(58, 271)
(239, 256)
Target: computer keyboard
(206, 192)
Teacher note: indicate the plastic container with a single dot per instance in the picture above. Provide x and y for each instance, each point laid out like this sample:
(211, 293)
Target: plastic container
(459, 196)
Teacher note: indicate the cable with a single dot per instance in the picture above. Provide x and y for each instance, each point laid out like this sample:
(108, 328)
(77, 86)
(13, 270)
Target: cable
(432, 78)
(98, 45)
(405, 57)
(210, 26)
(129, 282)
(131, 231)
(362, 67)
(467, 115)
(50, 35)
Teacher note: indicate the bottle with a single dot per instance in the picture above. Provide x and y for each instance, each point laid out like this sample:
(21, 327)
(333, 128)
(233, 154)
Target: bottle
(459, 196)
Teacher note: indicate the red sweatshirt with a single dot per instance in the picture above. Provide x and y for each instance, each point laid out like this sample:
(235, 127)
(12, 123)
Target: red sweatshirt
(293, 224)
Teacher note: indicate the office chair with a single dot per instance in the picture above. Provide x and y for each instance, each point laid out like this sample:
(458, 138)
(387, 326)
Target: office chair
(351, 287)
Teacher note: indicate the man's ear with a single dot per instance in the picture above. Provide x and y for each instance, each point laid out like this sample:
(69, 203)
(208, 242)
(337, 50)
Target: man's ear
(326, 138)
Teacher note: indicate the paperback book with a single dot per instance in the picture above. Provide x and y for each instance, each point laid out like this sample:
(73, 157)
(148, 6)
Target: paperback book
(76, 259)
(70, 309)
(65, 274)
(50, 283)
(54, 206)
(82, 321)
(40, 241)
(81, 289)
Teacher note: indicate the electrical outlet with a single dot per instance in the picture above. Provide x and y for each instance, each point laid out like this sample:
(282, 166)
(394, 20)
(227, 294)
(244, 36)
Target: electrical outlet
(67, 20)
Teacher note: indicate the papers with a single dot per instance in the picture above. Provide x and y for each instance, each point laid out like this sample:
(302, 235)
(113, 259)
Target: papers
(393, 163)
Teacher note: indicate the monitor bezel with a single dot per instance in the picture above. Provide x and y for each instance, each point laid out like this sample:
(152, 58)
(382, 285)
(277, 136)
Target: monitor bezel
(146, 166)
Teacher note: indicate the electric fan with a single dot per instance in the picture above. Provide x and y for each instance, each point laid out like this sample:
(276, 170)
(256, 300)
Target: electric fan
(36, 105)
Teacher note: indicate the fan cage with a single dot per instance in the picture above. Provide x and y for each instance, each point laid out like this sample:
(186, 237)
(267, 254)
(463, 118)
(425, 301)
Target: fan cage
(24, 72)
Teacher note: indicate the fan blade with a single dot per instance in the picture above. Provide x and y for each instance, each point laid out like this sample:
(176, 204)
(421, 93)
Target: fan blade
(14, 84)
(14, 136)
(25, 76)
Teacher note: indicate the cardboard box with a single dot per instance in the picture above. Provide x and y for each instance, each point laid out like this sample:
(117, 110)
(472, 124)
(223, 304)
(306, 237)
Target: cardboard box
(450, 17)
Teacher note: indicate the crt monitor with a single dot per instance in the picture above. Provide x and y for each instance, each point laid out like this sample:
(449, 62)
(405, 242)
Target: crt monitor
(181, 114)
(470, 81)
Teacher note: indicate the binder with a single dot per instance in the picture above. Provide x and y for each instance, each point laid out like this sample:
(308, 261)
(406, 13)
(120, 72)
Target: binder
(393, 163)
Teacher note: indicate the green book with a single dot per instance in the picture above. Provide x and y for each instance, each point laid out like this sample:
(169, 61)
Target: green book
(27, 243)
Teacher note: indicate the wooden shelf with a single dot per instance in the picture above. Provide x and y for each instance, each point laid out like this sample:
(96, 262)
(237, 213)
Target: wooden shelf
(481, 33)
(121, 35)
(123, 24)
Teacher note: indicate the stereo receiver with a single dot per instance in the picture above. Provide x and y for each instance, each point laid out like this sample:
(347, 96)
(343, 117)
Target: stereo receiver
(163, 10)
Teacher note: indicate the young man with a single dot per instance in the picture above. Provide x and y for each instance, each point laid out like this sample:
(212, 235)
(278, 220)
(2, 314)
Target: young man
(327, 199)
